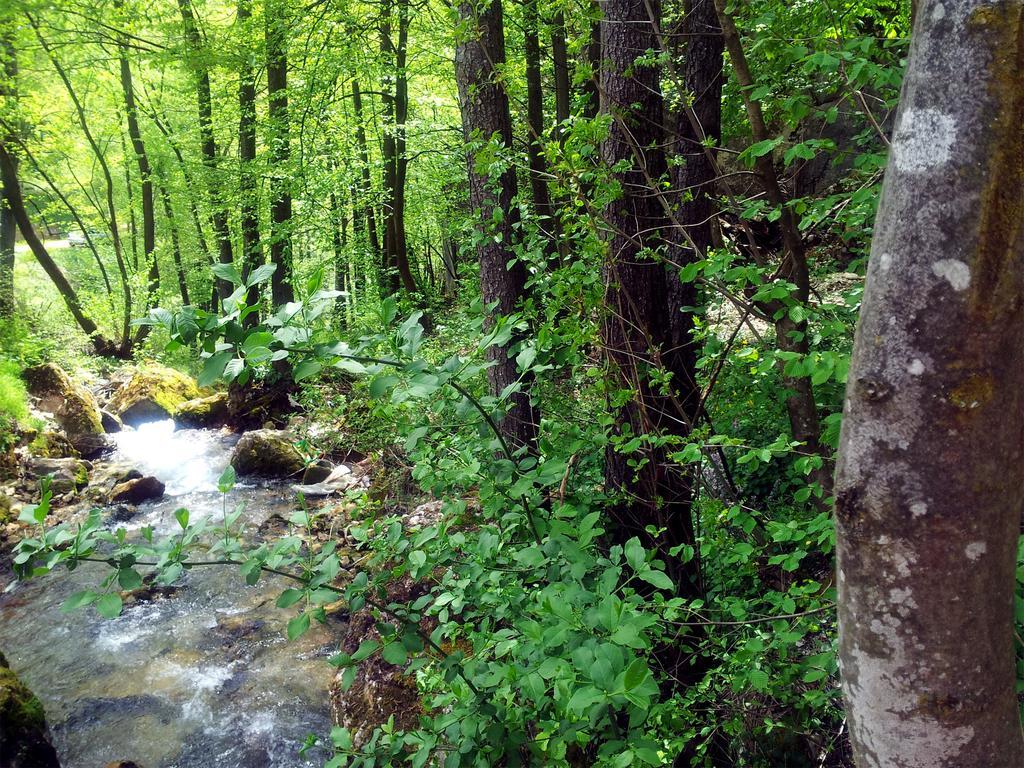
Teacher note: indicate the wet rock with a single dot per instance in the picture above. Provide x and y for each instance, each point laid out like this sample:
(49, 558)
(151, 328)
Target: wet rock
(380, 690)
(24, 737)
(121, 513)
(137, 490)
(73, 406)
(69, 475)
(317, 472)
(203, 412)
(123, 764)
(111, 422)
(267, 453)
(337, 481)
(154, 392)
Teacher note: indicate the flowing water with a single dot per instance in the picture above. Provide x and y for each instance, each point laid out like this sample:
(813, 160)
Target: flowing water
(202, 678)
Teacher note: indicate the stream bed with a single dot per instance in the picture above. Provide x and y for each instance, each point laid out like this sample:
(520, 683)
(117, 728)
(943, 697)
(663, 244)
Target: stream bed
(201, 678)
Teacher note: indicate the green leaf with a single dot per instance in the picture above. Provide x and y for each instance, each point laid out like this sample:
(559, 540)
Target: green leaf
(181, 515)
(261, 274)
(298, 626)
(395, 653)
(109, 606)
(635, 554)
(79, 599)
(289, 598)
(305, 369)
(658, 578)
(227, 272)
(129, 578)
(227, 478)
(365, 648)
(213, 368)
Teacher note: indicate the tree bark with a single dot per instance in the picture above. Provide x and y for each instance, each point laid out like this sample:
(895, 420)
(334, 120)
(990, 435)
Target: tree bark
(12, 191)
(485, 116)
(393, 148)
(204, 104)
(249, 216)
(930, 470)
(560, 67)
(280, 152)
(634, 328)
(363, 197)
(693, 187)
(8, 226)
(172, 227)
(535, 124)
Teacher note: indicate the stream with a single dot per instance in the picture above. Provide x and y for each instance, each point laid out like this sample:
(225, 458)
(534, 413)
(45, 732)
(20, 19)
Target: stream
(202, 678)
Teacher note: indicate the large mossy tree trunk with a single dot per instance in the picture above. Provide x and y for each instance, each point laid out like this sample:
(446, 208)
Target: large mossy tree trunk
(930, 470)
(486, 117)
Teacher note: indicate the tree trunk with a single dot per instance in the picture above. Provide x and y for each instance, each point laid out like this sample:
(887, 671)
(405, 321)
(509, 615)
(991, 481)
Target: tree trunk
(634, 329)
(12, 191)
(560, 67)
(790, 334)
(590, 85)
(535, 125)
(172, 227)
(363, 197)
(485, 115)
(393, 146)
(930, 470)
(693, 186)
(115, 231)
(249, 209)
(204, 104)
(280, 152)
(8, 92)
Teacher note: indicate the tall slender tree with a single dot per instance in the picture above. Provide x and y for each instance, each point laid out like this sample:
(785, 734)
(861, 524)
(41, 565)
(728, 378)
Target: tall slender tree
(485, 117)
(8, 226)
(276, 25)
(249, 209)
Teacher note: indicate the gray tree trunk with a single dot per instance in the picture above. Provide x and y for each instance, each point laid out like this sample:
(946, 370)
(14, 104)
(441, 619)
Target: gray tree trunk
(930, 472)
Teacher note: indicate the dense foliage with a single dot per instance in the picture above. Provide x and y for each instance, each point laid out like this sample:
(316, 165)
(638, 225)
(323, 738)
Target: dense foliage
(544, 632)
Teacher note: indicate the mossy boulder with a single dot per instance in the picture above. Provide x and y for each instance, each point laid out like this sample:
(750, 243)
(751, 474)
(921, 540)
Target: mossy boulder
(73, 406)
(24, 737)
(267, 453)
(203, 412)
(152, 393)
(69, 475)
(52, 444)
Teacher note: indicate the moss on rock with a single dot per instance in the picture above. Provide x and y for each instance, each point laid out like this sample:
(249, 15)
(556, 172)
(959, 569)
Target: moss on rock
(203, 411)
(24, 739)
(267, 453)
(152, 393)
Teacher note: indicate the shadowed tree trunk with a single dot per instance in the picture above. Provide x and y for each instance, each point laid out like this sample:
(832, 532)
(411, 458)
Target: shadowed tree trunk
(280, 152)
(485, 116)
(634, 329)
(12, 191)
(8, 226)
(692, 183)
(393, 148)
(362, 198)
(249, 216)
(204, 104)
(560, 67)
(172, 227)
(930, 469)
(535, 125)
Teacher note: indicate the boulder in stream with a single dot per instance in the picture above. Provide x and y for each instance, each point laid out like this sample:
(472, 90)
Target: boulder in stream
(337, 480)
(111, 421)
(69, 475)
(203, 412)
(73, 406)
(153, 392)
(267, 453)
(137, 490)
(24, 737)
